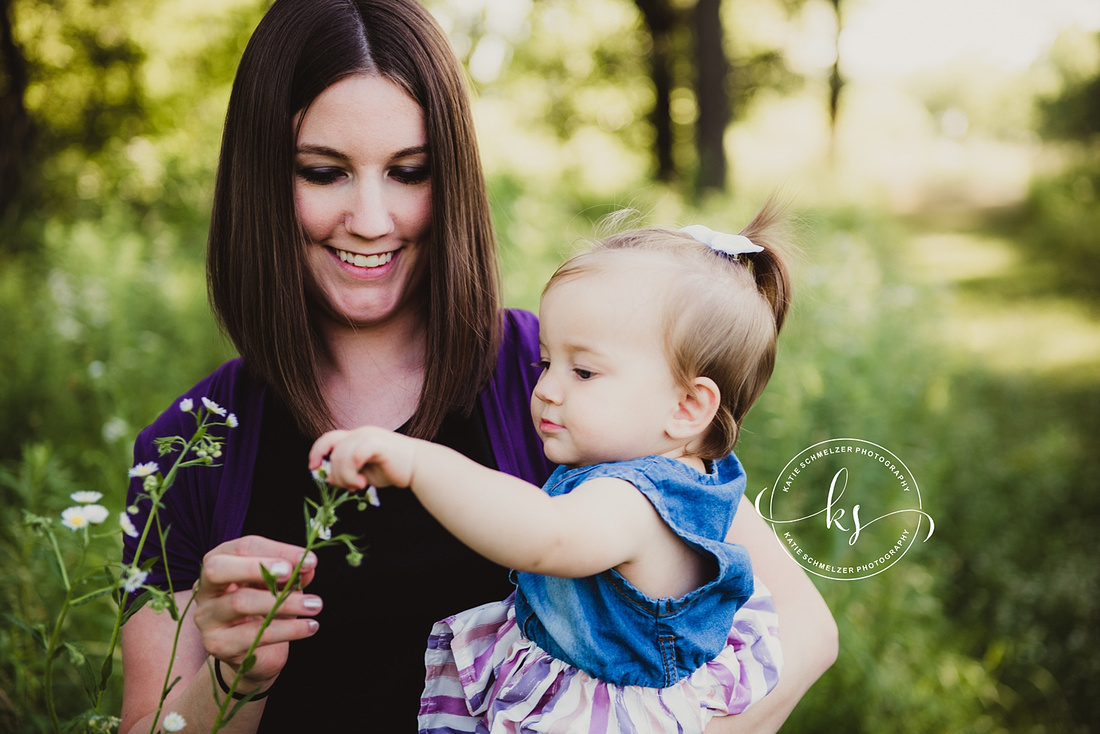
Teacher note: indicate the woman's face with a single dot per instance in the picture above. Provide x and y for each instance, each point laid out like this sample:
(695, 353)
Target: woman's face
(362, 190)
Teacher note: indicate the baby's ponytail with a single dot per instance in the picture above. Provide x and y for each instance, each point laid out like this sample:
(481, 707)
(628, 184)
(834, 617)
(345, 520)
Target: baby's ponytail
(769, 267)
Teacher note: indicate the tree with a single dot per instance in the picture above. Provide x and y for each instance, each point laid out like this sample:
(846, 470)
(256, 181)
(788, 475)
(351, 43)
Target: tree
(712, 74)
(661, 20)
(16, 130)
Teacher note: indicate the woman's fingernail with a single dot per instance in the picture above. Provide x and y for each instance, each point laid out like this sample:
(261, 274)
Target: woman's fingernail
(312, 625)
(312, 602)
(280, 568)
(310, 560)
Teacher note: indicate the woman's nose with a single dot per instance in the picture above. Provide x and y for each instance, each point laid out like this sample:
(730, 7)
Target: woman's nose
(368, 214)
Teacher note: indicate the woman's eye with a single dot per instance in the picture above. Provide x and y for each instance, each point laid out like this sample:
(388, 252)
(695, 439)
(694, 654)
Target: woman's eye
(410, 174)
(320, 176)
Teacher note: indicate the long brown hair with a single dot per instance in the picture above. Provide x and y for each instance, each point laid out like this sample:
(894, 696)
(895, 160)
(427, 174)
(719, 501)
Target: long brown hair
(721, 316)
(256, 271)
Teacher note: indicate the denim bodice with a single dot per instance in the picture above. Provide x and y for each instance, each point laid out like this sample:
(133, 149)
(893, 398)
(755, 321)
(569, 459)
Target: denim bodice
(606, 626)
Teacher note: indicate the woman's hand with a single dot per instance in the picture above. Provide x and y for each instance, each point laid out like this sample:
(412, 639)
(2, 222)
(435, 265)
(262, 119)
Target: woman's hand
(231, 601)
(807, 631)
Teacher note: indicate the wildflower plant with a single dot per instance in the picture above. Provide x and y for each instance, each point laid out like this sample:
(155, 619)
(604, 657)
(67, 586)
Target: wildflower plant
(86, 520)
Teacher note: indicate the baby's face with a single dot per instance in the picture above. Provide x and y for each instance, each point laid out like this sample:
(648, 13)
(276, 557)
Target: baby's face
(606, 392)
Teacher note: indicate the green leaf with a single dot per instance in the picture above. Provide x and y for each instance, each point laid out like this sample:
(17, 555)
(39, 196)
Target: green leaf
(172, 685)
(37, 632)
(270, 580)
(248, 664)
(137, 604)
(84, 668)
(105, 671)
(91, 596)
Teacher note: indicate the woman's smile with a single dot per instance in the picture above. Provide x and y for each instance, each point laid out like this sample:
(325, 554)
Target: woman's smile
(366, 266)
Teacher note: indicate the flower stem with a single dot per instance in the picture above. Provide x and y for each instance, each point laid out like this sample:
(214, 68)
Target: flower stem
(55, 636)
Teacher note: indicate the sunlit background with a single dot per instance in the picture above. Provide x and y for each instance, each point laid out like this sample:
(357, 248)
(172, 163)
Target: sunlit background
(948, 302)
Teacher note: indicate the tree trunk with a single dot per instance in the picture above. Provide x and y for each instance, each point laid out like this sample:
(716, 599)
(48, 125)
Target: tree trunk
(836, 83)
(712, 95)
(660, 20)
(15, 122)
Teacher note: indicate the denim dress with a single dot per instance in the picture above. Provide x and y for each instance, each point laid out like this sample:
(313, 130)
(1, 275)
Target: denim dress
(596, 654)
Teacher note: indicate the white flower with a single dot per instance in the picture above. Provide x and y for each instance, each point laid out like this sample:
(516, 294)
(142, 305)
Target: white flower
(213, 407)
(127, 525)
(74, 518)
(144, 470)
(95, 514)
(86, 498)
(173, 722)
(115, 429)
(187, 405)
(231, 421)
(322, 532)
(372, 496)
(133, 580)
(321, 473)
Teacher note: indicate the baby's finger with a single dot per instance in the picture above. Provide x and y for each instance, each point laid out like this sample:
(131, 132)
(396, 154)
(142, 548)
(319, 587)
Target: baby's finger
(323, 446)
(346, 460)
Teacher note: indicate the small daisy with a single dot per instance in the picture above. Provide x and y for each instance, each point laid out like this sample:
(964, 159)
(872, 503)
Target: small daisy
(95, 514)
(321, 473)
(322, 532)
(187, 405)
(86, 498)
(134, 580)
(144, 470)
(213, 407)
(173, 722)
(231, 420)
(74, 518)
(127, 525)
(372, 496)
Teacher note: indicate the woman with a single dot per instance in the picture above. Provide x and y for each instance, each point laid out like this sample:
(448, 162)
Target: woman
(352, 262)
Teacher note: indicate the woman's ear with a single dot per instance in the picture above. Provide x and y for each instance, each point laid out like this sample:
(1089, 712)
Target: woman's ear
(696, 409)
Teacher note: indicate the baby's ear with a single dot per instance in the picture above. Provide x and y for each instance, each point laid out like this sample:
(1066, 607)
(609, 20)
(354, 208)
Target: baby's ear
(696, 409)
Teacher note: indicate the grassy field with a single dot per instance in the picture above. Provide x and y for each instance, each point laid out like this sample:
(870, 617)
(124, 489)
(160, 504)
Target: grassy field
(926, 334)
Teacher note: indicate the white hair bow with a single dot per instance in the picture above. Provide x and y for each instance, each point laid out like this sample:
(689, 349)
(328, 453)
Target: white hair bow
(729, 244)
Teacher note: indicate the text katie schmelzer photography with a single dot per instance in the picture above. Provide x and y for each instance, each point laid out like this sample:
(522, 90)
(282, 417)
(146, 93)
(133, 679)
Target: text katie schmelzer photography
(845, 509)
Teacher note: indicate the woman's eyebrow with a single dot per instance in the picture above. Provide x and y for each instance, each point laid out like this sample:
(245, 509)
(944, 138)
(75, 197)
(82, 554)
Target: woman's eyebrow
(323, 150)
(328, 152)
(414, 150)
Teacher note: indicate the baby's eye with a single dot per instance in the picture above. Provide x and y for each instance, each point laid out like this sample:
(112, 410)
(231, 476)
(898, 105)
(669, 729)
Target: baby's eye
(542, 364)
(320, 176)
(583, 374)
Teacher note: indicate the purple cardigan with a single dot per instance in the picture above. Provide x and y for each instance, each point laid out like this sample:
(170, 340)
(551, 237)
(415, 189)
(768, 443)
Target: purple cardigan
(207, 505)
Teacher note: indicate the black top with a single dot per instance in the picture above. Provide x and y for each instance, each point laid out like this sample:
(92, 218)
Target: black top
(366, 663)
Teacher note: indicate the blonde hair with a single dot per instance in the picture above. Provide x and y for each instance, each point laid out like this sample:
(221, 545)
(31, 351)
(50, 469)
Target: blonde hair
(721, 315)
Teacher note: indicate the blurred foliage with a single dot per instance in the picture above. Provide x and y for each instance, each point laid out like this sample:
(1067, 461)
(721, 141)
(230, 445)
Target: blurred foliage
(990, 626)
(1074, 112)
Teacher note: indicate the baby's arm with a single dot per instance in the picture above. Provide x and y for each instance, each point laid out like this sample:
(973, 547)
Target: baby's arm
(602, 524)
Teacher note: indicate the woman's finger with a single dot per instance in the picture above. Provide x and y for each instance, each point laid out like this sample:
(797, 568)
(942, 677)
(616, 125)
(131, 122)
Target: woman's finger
(240, 561)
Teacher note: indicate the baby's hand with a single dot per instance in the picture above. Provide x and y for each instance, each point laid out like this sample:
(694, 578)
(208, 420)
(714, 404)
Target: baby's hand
(367, 456)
